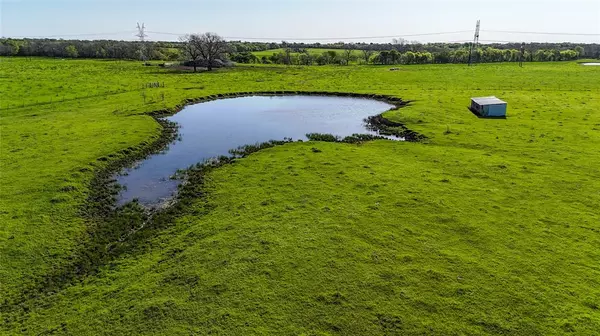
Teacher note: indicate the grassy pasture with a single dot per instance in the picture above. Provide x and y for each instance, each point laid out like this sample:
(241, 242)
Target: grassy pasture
(491, 227)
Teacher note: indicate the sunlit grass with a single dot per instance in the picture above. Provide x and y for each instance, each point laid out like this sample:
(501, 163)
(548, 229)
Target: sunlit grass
(490, 227)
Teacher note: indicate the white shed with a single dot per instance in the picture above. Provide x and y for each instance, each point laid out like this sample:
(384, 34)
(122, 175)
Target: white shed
(489, 106)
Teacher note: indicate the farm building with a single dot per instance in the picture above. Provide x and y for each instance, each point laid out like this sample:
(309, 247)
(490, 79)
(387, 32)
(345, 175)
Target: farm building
(488, 107)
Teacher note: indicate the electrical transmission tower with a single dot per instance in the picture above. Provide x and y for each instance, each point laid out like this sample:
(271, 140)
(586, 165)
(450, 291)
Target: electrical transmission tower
(475, 42)
(142, 36)
(522, 54)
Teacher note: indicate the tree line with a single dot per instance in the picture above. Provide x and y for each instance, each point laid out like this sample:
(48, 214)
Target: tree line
(392, 57)
(397, 52)
(90, 49)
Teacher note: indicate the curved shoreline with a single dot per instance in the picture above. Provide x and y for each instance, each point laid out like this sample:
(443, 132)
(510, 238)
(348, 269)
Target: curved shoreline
(113, 230)
(395, 101)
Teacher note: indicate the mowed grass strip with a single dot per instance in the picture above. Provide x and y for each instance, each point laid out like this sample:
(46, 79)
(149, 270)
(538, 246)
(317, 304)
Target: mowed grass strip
(491, 227)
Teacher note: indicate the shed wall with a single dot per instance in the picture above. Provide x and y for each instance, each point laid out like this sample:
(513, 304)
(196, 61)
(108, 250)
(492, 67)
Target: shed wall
(497, 110)
(489, 110)
(476, 107)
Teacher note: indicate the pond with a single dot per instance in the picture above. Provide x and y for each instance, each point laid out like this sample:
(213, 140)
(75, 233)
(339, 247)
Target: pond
(590, 64)
(212, 128)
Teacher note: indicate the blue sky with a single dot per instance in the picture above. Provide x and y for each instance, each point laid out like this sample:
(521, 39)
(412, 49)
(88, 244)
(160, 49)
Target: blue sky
(293, 19)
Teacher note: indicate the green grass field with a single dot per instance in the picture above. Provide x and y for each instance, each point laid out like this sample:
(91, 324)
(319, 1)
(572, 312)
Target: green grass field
(491, 227)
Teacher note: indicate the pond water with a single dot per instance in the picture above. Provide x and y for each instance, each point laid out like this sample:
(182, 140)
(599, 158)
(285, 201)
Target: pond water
(212, 128)
(590, 63)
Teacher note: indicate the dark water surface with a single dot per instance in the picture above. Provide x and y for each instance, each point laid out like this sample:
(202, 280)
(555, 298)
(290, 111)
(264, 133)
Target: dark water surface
(213, 128)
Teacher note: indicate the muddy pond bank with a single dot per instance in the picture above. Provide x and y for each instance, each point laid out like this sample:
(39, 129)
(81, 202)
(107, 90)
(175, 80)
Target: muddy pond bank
(213, 128)
(116, 229)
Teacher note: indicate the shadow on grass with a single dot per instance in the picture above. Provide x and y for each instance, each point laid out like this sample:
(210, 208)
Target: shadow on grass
(483, 117)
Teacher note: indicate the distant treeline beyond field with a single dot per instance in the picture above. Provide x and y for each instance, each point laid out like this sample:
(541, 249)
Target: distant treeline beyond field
(306, 54)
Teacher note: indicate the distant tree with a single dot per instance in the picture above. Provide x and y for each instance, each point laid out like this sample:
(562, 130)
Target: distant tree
(173, 54)
(399, 41)
(157, 55)
(539, 56)
(139, 55)
(306, 58)
(443, 56)
(5, 50)
(383, 57)
(212, 47)
(394, 56)
(555, 55)
(101, 53)
(13, 48)
(367, 54)
(348, 55)
(328, 57)
(424, 57)
(8, 49)
(580, 51)
(322, 59)
(190, 48)
(287, 56)
(492, 55)
(460, 56)
(478, 55)
(409, 57)
(244, 57)
(71, 51)
(332, 56)
(277, 58)
(549, 55)
(568, 55)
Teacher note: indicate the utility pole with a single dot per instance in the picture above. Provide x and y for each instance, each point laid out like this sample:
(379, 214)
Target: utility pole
(475, 42)
(522, 54)
(142, 36)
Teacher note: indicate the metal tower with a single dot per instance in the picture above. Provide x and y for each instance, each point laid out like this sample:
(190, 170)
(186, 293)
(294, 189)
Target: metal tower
(522, 56)
(475, 42)
(142, 36)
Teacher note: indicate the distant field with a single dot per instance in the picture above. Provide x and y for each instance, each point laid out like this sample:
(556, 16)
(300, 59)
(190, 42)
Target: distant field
(491, 227)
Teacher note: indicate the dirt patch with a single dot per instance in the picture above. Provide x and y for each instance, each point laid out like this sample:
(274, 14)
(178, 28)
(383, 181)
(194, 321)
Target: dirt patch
(387, 127)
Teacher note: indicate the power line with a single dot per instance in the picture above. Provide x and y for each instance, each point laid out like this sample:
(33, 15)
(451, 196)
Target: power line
(501, 41)
(386, 36)
(351, 38)
(75, 35)
(163, 33)
(323, 38)
(540, 33)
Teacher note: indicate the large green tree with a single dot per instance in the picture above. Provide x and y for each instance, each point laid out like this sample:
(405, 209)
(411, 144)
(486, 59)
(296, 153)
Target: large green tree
(71, 51)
